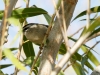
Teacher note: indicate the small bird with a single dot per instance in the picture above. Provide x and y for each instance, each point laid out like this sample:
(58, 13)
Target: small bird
(35, 32)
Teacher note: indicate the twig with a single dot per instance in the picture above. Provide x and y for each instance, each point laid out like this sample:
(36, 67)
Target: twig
(19, 52)
(21, 40)
(76, 31)
(93, 36)
(4, 25)
(27, 3)
(69, 65)
(62, 26)
(95, 44)
(35, 61)
(91, 48)
(88, 15)
(64, 29)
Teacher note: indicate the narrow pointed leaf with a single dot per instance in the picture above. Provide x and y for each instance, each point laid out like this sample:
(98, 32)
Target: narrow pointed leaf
(25, 12)
(78, 68)
(90, 56)
(47, 16)
(5, 66)
(94, 25)
(28, 48)
(76, 56)
(93, 10)
(14, 60)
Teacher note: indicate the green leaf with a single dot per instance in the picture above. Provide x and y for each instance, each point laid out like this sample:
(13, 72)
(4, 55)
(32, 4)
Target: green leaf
(1, 73)
(11, 49)
(90, 56)
(28, 48)
(13, 21)
(61, 73)
(93, 10)
(29, 52)
(1, 14)
(25, 12)
(78, 68)
(94, 25)
(95, 31)
(47, 17)
(86, 19)
(76, 56)
(62, 49)
(14, 60)
(29, 61)
(5, 66)
(84, 60)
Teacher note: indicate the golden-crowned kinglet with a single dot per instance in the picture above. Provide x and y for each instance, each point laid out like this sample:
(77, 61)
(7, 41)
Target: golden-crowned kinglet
(35, 32)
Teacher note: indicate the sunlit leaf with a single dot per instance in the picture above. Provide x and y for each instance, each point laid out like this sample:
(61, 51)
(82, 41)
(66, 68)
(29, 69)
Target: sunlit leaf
(1, 73)
(95, 24)
(77, 68)
(14, 60)
(61, 73)
(13, 21)
(90, 56)
(93, 10)
(78, 57)
(75, 56)
(11, 49)
(95, 31)
(29, 61)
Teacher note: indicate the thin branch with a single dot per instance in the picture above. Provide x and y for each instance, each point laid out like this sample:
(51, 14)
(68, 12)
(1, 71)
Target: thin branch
(93, 36)
(62, 24)
(27, 3)
(91, 48)
(76, 31)
(88, 14)
(69, 65)
(19, 51)
(4, 23)
(95, 44)
(21, 40)
(64, 29)
(34, 62)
